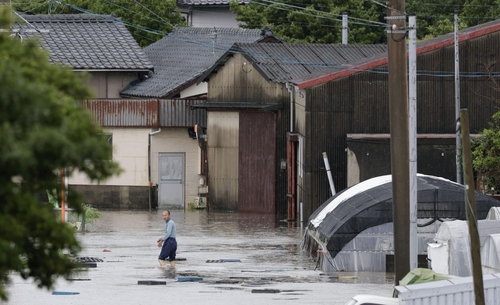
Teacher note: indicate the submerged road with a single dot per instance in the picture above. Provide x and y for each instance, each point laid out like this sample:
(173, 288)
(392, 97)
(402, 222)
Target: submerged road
(225, 258)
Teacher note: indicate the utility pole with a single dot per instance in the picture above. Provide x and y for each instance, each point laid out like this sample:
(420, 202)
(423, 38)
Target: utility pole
(457, 102)
(345, 28)
(412, 104)
(470, 207)
(400, 156)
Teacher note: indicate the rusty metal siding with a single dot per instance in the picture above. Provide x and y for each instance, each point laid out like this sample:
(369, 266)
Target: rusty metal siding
(222, 153)
(178, 113)
(257, 161)
(360, 104)
(124, 112)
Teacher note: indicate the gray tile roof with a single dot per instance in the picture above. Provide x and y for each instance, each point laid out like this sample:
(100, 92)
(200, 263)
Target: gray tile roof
(183, 55)
(284, 62)
(208, 2)
(86, 42)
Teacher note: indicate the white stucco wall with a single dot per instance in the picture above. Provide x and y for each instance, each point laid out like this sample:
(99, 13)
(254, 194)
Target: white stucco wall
(130, 150)
(220, 17)
(176, 140)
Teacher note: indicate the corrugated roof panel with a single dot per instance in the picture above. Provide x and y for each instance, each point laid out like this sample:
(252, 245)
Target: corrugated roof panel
(284, 62)
(178, 113)
(306, 55)
(349, 52)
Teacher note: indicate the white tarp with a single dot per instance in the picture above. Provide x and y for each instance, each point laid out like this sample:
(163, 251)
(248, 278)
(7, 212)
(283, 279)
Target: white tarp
(490, 254)
(493, 214)
(455, 236)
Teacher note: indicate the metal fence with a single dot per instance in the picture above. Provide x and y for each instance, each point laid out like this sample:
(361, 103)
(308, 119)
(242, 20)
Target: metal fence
(458, 291)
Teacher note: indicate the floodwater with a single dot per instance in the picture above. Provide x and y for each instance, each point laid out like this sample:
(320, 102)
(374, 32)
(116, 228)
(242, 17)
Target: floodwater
(224, 258)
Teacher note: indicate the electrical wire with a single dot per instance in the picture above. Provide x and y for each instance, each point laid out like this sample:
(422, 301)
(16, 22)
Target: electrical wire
(336, 15)
(388, 7)
(312, 15)
(290, 60)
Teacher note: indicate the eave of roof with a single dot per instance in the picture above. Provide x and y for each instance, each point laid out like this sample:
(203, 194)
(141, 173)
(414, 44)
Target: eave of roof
(422, 47)
(238, 105)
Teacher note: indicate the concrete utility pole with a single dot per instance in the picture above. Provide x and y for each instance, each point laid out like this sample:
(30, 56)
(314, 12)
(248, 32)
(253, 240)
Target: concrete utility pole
(400, 155)
(412, 104)
(457, 102)
(345, 28)
(470, 207)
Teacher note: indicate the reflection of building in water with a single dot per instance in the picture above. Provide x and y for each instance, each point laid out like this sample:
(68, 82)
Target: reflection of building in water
(171, 168)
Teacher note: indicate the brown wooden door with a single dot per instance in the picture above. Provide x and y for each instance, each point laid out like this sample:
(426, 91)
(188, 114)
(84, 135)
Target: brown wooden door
(257, 162)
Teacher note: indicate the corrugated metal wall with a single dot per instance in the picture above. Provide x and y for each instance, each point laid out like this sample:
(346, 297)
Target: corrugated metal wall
(222, 153)
(360, 104)
(146, 112)
(124, 113)
(178, 113)
(257, 179)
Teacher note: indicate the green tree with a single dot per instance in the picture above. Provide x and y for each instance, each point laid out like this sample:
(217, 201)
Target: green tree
(435, 18)
(480, 11)
(319, 20)
(486, 156)
(147, 20)
(41, 131)
(314, 21)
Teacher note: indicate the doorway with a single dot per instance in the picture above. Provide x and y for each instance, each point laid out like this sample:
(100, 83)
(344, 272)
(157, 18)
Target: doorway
(171, 179)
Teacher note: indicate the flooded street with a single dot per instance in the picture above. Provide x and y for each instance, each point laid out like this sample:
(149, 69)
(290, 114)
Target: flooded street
(224, 258)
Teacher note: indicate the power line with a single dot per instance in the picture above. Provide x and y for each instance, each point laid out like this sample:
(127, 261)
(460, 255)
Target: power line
(388, 7)
(328, 13)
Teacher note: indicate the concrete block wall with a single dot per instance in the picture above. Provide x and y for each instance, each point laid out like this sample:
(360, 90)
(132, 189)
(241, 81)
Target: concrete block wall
(111, 197)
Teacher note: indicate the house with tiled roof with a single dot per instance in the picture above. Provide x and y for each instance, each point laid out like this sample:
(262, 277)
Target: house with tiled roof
(208, 13)
(99, 45)
(182, 56)
(143, 132)
(251, 108)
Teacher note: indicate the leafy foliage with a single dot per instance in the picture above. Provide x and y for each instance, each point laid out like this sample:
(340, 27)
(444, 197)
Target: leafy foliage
(147, 20)
(41, 131)
(313, 21)
(486, 156)
(320, 20)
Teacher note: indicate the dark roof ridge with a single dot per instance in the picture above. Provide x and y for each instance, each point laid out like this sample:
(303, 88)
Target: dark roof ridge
(70, 17)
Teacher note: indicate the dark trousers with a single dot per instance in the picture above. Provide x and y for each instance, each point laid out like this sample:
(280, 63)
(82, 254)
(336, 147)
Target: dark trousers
(168, 249)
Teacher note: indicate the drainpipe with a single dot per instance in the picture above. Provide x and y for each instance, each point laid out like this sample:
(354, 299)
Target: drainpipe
(149, 163)
(290, 89)
(329, 173)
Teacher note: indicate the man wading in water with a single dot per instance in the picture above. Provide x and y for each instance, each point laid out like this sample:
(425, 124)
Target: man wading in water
(167, 243)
